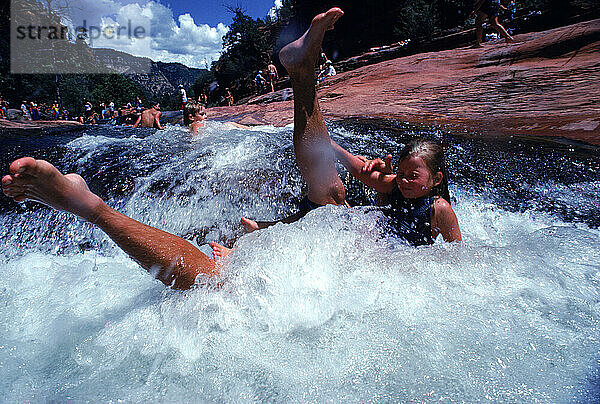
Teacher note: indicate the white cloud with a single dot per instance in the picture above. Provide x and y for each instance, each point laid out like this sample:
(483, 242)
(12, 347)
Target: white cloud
(166, 39)
(273, 11)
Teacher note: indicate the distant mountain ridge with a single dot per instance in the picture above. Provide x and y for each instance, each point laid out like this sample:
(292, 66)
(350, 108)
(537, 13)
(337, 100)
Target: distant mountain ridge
(162, 78)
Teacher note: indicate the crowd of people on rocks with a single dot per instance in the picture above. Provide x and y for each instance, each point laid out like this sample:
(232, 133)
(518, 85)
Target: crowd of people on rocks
(131, 114)
(32, 111)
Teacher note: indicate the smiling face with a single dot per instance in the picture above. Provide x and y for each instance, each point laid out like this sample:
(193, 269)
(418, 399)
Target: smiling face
(414, 179)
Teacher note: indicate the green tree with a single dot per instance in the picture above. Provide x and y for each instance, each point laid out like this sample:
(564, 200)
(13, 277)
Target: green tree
(418, 19)
(246, 50)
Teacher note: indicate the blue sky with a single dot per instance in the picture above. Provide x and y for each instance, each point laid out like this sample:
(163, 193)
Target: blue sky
(189, 32)
(212, 12)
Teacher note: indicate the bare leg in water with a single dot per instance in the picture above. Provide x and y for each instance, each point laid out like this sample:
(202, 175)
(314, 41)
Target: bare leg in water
(312, 145)
(171, 259)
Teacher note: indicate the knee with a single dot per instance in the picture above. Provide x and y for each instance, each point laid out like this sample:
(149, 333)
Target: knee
(337, 192)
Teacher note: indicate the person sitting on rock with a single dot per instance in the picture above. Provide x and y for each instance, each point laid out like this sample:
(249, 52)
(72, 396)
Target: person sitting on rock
(488, 9)
(150, 118)
(328, 71)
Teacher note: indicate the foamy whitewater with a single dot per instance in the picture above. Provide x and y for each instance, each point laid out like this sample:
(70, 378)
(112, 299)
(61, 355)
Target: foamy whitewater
(327, 309)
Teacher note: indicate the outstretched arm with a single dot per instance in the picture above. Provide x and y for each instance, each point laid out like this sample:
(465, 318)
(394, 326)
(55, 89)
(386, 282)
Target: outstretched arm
(252, 225)
(369, 172)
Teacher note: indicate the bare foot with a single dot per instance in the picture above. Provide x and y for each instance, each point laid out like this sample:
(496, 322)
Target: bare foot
(301, 55)
(220, 252)
(40, 181)
(249, 225)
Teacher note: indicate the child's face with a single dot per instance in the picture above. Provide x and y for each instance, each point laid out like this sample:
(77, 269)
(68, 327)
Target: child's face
(414, 178)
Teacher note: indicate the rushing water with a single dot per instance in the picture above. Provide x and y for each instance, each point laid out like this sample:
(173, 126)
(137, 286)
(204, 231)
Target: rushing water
(326, 309)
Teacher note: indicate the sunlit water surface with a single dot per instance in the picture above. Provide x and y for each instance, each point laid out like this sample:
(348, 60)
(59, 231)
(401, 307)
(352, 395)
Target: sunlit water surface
(326, 309)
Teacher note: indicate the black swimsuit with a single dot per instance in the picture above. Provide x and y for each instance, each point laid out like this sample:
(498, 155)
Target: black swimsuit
(306, 205)
(411, 218)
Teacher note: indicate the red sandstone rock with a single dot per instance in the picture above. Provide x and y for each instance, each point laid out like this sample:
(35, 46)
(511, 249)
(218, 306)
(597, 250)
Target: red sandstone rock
(40, 124)
(545, 84)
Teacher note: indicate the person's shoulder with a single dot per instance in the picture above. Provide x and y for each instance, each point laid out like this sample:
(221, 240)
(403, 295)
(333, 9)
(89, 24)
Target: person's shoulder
(442, 210)
(441, 205)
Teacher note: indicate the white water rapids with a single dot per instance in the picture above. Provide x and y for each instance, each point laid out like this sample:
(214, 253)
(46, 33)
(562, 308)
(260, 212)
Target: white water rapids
(327, 309)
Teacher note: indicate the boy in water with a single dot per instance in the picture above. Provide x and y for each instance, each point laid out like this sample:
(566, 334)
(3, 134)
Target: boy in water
(150, 118)
(173, 260)
(194, 115)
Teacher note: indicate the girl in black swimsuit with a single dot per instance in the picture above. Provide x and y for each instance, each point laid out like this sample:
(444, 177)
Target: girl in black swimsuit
(421, 188)
(415, 198)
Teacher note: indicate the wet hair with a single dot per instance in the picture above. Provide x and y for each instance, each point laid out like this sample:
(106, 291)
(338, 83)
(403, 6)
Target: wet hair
(432, 154)
(191, 108)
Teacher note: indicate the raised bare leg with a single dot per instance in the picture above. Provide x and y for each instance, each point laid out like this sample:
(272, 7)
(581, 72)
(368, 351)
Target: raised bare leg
(312, 144)
(501, 30)
(171, 259)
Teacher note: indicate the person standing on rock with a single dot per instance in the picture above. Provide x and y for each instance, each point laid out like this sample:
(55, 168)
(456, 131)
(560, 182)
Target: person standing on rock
(203, 99)
(229, 98)
(488, 9)
(3, 108)
(25, 111)
(273, 75)
(183, 96)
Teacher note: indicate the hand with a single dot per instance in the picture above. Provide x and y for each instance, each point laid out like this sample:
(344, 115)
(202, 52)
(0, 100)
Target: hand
(384, 166)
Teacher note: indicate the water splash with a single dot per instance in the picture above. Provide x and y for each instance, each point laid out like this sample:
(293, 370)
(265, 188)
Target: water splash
(325, 309)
